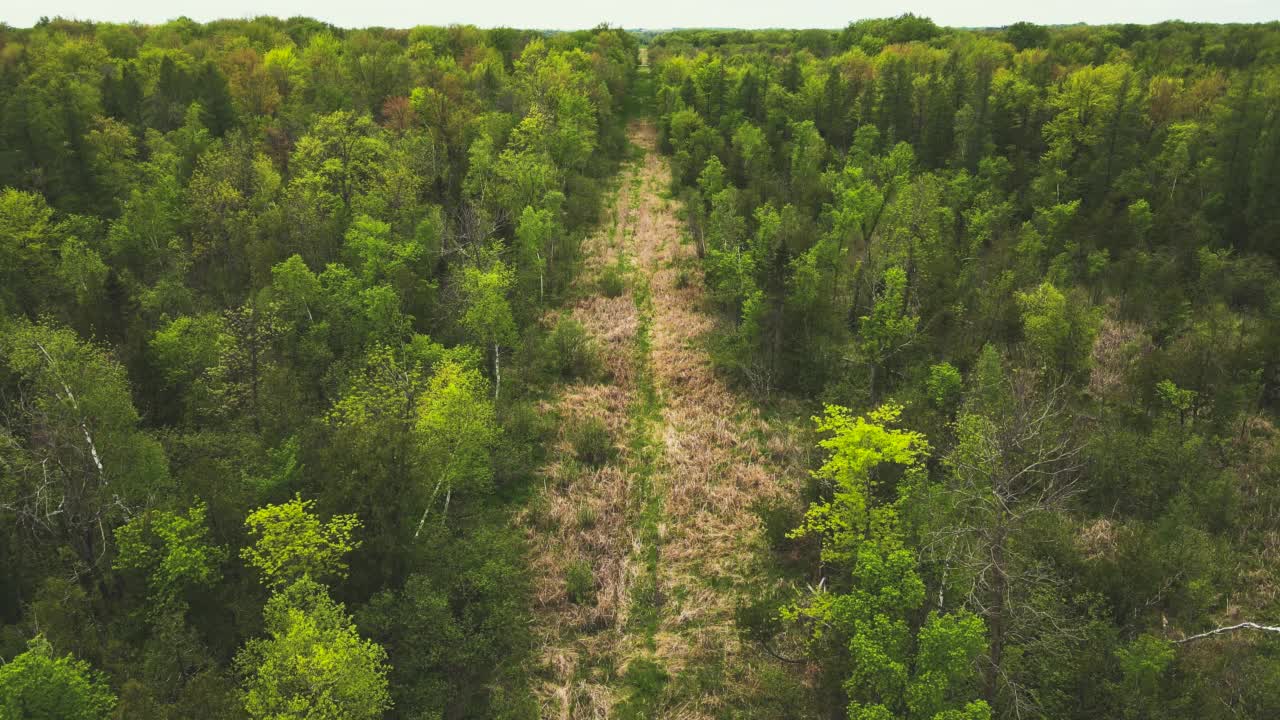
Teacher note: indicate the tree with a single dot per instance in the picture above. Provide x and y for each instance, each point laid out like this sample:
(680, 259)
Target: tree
(38, 686)
(893, 669)
(312, 665)
(291, 543)
(1016, 463)
(76, 462)
(27, 248)
(890, 327)
(457, 431)
(535, 235)
(487, 315)
(1060, 332)
(344, 149)
(857, 446)
(173, 551)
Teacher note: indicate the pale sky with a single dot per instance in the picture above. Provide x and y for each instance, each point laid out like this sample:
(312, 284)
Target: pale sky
(572, 14)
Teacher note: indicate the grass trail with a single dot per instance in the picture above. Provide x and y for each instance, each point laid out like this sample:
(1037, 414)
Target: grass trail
(639, 562)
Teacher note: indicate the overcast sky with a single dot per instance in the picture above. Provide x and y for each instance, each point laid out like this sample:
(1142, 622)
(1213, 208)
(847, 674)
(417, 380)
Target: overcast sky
(646, 13)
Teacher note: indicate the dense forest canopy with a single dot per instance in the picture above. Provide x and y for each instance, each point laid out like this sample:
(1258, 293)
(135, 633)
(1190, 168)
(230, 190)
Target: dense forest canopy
(261, 283)
(282, 315)
(1043, 263)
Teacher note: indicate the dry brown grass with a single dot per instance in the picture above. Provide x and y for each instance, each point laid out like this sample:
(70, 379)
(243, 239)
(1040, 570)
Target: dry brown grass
(712, 468)
(1118, 346)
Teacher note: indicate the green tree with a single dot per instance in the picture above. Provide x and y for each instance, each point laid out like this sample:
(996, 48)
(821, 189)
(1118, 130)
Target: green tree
(857, 446)
(173, 551)
(1059, 330)
(457, 430)
(36, 685)
(312, 664)
(487, 314)
(892, 669)
(890, 327)
(75, 460)
(291, 543)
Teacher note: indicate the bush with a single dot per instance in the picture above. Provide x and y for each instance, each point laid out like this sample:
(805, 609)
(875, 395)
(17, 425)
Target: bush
(592, 442)
(778, 518)
(571, 351)
(944, 384)
(613, 281)
(522, 446)
(580, 582)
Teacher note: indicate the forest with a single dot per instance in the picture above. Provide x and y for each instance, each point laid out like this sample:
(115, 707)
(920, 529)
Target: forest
(891, 372)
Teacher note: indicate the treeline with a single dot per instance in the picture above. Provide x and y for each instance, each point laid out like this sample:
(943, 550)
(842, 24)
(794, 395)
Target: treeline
(1040, 265)
(270, 342)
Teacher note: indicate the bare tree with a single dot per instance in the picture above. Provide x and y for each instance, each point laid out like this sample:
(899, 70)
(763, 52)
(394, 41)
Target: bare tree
(1017, 458)
(66, 431)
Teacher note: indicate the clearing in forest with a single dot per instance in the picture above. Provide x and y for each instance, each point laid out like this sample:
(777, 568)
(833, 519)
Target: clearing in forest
(640, 558)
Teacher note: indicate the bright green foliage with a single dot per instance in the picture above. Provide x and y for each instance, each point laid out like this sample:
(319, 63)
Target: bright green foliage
(944, 384)
(948, 649)
(291, 543)
(81, 269)
(891, 326)
(1059, 330)
(312, 665)
(535, 235)
(891, 671)
(36, 685)
(1144, 669)
(488, 314)
(1180, 400)
(172, 550)
(378, 257)
(28, 247)
(857, 446)
(343, 150)
(189, 346)
(457, 432)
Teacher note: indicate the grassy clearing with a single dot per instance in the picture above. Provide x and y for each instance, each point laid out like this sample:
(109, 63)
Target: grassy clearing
(643, 556)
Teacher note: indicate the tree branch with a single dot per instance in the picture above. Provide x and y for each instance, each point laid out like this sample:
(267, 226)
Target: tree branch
(1231, 628)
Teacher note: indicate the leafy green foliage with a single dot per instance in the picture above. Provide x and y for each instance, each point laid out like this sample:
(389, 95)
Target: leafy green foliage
(855, 448)
(891, 666)
(291, 543)
(172, 549)
(571, 351)
(312, 663)
(40, 686)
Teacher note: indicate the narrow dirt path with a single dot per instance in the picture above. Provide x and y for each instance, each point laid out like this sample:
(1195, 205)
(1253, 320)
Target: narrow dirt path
(665, 533)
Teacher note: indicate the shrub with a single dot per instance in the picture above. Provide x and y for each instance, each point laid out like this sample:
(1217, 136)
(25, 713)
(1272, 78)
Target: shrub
(592, 442)
(580, 582)
(944, 384)
(613, 281)
(571, 351)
